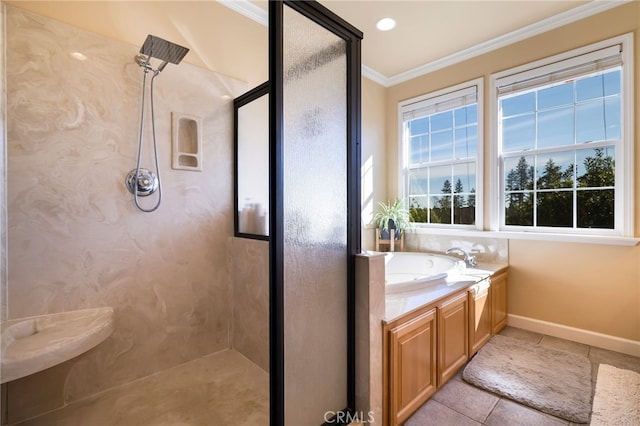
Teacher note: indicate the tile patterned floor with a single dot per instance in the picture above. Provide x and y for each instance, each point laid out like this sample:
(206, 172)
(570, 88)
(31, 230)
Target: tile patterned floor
(459, 404)
(227, 387)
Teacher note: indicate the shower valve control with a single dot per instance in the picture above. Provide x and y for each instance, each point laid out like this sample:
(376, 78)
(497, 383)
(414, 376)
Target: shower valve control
(147, 182)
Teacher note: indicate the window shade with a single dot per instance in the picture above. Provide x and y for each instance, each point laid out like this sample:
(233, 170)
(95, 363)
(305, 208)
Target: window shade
(567, 69)
(444, 102)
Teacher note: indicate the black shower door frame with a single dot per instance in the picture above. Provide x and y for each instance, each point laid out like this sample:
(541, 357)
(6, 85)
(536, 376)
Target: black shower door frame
(352, 36)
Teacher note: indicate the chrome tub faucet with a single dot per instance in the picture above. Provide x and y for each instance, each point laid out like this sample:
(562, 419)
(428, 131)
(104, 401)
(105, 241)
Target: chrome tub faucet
(470, 260)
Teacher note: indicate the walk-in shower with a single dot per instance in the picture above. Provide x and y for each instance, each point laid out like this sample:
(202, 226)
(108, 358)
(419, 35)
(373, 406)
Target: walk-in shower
(141, 181)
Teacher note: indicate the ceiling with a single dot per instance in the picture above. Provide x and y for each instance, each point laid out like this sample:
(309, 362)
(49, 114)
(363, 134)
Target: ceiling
(429, 30)
(432, 34)
(429, 34)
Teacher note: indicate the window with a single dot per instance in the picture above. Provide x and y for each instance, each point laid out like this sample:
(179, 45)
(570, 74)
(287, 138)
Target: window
(441, 145)
(564, 143)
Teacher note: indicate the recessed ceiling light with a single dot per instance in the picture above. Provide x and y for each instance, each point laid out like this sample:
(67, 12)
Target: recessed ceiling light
(386, 24)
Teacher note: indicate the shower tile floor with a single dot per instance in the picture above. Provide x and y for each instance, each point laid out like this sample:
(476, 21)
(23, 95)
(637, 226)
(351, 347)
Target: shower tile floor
(219, 389)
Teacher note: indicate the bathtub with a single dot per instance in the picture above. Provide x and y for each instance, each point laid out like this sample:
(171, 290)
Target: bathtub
(406, 271)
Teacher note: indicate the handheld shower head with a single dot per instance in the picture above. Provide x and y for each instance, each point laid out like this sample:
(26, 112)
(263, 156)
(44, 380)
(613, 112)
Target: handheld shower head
(159, 48)
(143, 182)
(162, 66)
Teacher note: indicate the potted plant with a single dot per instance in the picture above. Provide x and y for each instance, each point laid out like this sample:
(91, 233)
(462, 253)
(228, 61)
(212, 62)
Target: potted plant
(391, 216)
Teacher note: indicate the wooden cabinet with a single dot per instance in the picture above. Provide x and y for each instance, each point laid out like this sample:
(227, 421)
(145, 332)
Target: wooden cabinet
(479, 315)
(453, 335)
(412, 357)
(426, 347)
(498, 302)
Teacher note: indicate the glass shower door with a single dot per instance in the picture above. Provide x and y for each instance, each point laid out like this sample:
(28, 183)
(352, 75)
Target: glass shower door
(314, 190)
(315, 220)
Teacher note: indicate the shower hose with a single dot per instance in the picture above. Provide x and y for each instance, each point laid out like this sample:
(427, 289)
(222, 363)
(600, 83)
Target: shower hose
(140, 139)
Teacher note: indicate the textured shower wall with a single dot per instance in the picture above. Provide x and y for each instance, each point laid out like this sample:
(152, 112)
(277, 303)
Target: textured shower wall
(76, 239)
(249, 268)
(3, 176)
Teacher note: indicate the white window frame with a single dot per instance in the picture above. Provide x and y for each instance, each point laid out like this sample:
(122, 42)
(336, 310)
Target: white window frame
(403, 152)
(624, 206)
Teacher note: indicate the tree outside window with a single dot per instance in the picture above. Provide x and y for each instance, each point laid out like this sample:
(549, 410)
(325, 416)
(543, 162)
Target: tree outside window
(558, 144)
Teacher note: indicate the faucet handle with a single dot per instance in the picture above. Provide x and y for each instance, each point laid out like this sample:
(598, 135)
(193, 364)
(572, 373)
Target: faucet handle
(456, 249)
(469, 260)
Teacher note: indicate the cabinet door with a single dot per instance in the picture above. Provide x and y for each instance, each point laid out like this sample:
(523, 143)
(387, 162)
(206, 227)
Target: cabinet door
(479, 316)
(453, 326)
(498, 302)
(413, 365)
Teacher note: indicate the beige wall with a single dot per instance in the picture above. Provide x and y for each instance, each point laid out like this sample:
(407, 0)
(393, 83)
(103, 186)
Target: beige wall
(374, 157)
(588, 286)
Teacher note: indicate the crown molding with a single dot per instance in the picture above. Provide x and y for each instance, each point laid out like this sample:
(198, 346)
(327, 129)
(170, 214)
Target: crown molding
(573, 15)
(374, 75)
(250, 10)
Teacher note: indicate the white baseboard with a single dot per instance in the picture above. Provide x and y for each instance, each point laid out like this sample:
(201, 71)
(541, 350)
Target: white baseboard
(605, 341)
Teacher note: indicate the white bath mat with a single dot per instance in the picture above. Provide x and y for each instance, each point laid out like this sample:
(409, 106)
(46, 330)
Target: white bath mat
(617, 397)
(549, 380)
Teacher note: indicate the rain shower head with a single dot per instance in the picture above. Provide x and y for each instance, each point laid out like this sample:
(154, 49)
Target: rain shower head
(159, 48)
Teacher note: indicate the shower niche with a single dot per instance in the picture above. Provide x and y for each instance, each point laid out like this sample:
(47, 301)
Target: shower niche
(187, 142)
